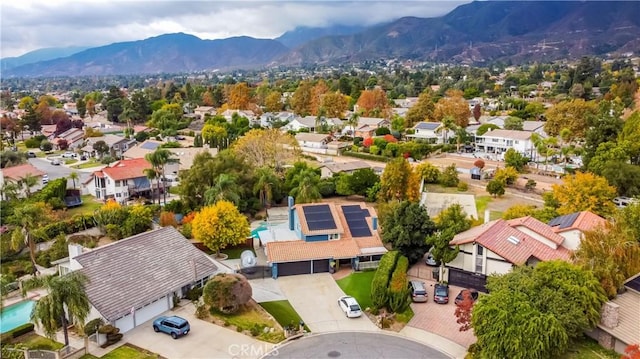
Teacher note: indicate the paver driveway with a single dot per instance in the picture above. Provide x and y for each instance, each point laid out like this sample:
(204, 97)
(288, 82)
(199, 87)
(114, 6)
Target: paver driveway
(315, 298)
(206, 340)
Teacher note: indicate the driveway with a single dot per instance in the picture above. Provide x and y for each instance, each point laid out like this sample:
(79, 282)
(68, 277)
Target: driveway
(315, 298)
(206, 340)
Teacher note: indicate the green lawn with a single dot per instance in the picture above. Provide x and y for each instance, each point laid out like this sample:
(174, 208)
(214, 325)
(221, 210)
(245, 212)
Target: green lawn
(91, 163)
(481, 205)
(234, 253)
(70, 161)
(283, 312)
(587, 348)
(89, 206)
(34, 341)
(405, 316)
(358, 285)
(248, 319)
(124, 352)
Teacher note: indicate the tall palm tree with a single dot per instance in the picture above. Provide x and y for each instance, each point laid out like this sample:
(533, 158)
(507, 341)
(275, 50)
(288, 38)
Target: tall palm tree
(266, 181)
(9, 191)
(74, 176)
(158, 160)
(27, 182)
(307, 189)
(152, 174)
(66, 302)
(28, 218)
(224, 188)
(448, 124)
(353, 122)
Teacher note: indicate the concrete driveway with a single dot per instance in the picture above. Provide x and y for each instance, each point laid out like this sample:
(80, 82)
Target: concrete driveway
(206, 340)
(315, 298)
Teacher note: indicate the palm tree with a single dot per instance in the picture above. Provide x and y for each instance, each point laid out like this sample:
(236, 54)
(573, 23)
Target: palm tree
(152, 174)
(353, 121)
(266, 180)
(224, 188)
(158, 160)
(66, 302)
(307, 189)
(27, 182)
(9, 191)
(74, 176)
(28, 218)
(448, 124)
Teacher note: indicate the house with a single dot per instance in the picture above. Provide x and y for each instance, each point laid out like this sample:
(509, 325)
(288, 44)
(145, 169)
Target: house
(572, 226)
(228, 115)
(135, 279)
(534, 127)
(497, 246)
(48, 131)
(331, 168)
(118, 145)
(373, 122)
(499, 141)
(321, 236)
(201, 111)
(269, 118)
(406, 102)
(308, 122)
(18, 173)
(312, 140)
(73, 136)
(431, 132)
(70, 108)
(620, 318)
(121, 180)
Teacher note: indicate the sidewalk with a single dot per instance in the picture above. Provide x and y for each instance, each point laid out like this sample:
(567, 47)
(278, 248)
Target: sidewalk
(433, 340)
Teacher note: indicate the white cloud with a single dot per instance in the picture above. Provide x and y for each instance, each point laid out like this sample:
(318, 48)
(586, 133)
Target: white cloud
(32, 24)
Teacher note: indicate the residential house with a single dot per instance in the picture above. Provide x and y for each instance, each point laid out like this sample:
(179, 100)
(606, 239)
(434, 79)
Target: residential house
(250, 115)
(497, 246)
(311, 142)
(135, 279)
(269, 118)
(367, 126)
(185, 155)
(309, 123)
(499, 141)
(406, 102)
(70, 108)
(48, 131)
(121, 180)
(17, 174)
(572, 226)
(329, 169)
(431, 132)
(534, 127)
(201, 111)
(118, 145)
(320, 236)
(619, 324)
(73, 136)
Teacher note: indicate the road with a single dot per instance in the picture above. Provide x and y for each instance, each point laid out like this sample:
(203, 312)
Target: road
(60, 171)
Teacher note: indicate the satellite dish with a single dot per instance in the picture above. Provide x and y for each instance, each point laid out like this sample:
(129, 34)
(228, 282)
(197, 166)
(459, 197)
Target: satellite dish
(248, 261)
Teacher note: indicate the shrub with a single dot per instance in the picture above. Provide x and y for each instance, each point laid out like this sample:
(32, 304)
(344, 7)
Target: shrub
(32, 142)
(93, 325)
(398, 289)
(227, 292)
(381, 279)
(449, 177)
(107, 159)
(201, 311)
(194, 293)
(463, 186)
(168, 219)
(428, 172)
(21, 330)
(479, 163)
(186, 230)
(531, 184)
(366, 156)
(373, 149)
(507, 175)
(495, 188)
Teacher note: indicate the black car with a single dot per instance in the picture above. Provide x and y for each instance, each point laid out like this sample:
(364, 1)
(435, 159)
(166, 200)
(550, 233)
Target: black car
(441, 294)
(31, 154)
(472, 292)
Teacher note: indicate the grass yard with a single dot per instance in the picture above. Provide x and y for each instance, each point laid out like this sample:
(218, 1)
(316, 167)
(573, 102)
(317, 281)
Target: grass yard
(234, 253)
(125, 351)
(89, 205)
(358, 285)
(283, 312)
(253, 320)
(70, 161)
(34, 341)
(405, 316)
(91, 163)
(481, 205)
(587, 348)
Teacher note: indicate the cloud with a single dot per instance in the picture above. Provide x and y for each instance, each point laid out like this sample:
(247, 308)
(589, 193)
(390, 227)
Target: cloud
(32, 24)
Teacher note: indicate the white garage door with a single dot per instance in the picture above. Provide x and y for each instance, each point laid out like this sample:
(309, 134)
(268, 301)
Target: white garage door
(125, 323)
(151, 310)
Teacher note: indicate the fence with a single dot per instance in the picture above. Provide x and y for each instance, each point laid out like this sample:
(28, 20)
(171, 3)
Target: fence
(368, 265)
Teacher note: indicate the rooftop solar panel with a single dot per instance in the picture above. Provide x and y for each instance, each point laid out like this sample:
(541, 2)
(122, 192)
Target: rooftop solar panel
(634, 284)
(319, 218)
(565, 221)
(356, 221)
(150, 145)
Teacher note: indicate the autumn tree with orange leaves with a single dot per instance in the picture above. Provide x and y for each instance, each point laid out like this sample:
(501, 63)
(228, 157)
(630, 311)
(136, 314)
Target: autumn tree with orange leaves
(239, 96)
(317, 93)
(453, 105)
(631, 352)
(463, 311)
(374, 103)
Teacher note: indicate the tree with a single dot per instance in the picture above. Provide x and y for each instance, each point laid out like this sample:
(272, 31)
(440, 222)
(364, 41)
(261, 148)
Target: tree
(584, 192)
(507, 175)
(306, 186)
(227, 292)
(28, 218)
(495, 188)
(74, 176)
(447, 125)
(515, 159)
(513, 123)
(449, 222)
(269, 147)
(534, 312)
(374, 103)
(158, 160)
(449, 177)
(301, 99)
(477, 112)
(574, 115)
(224, 188)
(455, 106)
(422, 110)
(518, 211)
(266, 183)
(406, 227)
(362, 180)
(427, 172)
(273, 102)
(239, 97)
(26, 183)
(334, 104)
(219, 226)
(214, 135)
(486, 127)
(463, 311)
(66, 302)
(399, 182)
(101, 148)
(352, 121)
(632, 351)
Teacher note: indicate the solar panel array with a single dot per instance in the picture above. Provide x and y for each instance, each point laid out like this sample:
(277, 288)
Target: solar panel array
(150, 145)
(319, 218)
(634, 284)
(356, 220)
(565, 221)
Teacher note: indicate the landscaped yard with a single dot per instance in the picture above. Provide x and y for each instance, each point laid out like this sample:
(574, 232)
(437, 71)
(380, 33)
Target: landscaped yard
(89, 206)
(125, 351)
(234, 253)
(358, 285)
(35, 341)
(283, 312)
(587, 348)
(481, 205)
(250, 320)
(91, 163)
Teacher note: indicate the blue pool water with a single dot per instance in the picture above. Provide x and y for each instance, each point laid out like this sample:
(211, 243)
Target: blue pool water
(263, 226)
(15, 315)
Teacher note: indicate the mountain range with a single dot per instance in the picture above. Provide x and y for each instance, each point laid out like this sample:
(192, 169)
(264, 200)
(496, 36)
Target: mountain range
(474, 33)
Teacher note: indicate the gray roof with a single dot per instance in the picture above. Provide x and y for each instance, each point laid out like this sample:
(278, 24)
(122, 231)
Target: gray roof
(139, 269)
(427, 125)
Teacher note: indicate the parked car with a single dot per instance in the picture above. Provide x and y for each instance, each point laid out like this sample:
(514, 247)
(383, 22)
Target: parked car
(68, 154)
(418, 291)
(174, 326)
(441, 294)
(350, 306)
(430, 261)
(55, 162)
(83, 158)
(624, 201)
(31, 154)
(459, 298)
(45, 179)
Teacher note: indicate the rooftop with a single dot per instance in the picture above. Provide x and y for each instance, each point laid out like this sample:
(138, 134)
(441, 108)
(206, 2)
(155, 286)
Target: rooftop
(21, 171)
(125, 169)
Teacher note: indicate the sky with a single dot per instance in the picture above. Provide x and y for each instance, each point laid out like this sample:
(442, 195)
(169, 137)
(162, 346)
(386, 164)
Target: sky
(27, 25)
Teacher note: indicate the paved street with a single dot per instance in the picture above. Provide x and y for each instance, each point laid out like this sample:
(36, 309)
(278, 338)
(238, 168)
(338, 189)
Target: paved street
(59, 171)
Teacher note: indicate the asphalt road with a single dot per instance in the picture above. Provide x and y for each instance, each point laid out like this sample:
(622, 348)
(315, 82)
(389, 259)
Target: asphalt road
(356, 345)
(60, 171)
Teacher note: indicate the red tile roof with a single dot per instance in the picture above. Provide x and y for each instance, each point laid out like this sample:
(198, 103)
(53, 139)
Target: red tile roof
(495, 237)
(126, 169)
(586, 221)
(539, 227)
(20, 171)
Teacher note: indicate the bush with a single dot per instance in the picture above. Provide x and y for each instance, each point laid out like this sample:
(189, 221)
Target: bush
(449, 177)
(168, 219)
(21, 330)
(194, 294)
(479, 163)
(366, 156)
(381, 279)
(495, 188)
(507, 175)
(93, 325)
(107, 159)
(32, 142)
(463, 187)
(186, 230)
(398, 289)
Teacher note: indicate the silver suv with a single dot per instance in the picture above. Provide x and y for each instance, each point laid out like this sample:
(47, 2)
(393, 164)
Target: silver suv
(418, 291)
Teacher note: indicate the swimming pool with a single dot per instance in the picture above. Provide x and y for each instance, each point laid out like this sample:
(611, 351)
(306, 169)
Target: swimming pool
(263, 227)
(16, 315)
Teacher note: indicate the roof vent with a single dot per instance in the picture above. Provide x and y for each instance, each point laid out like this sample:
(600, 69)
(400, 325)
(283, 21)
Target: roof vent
(513, 240)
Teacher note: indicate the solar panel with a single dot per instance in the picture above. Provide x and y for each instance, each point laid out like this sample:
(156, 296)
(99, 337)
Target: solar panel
(356, 221)
(634, 283)
(150, 145)
(565, 221)
(319, 218)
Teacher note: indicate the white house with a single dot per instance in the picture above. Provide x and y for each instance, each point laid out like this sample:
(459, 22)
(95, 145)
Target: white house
(430, 132)
(267, 119)
(299, 123)
(121, 180)
(313, 140)
(572, 226)
(201, 111)
(499, 141)
(329, 169)
(497, 246)
(133, 280)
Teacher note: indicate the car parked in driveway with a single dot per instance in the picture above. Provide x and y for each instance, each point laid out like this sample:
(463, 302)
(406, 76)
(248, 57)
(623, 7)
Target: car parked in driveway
(174, 326)
(441, 294)
(418, 291)
(430, 261)
(68, 154)
(460, 296)
(350, 306)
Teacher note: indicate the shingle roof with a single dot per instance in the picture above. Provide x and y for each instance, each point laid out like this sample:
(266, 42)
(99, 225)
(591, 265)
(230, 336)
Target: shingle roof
(21, 171)
(628, 329)
(126, 169)
(495, 236)
(311, 137)
(337, 167)
(370, 121)
(139, 269)
(582, 221)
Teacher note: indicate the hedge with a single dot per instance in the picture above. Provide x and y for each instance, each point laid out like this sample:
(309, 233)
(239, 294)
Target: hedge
(75, 224)
(380, 282)
(16, 332)
(398, 290)
(367, 156)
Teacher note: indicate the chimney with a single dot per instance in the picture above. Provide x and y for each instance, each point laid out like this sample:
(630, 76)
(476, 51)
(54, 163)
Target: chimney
(487, 216)
(290, 203)
(374, 223)
(609, 315)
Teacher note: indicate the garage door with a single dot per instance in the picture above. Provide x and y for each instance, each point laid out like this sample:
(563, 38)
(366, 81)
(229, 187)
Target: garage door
(321, 266)
(125, 323)
(466, 279)
(152, 310)
(294, 268)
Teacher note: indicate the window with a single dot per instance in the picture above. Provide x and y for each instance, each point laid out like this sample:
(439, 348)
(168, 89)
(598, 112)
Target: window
(117, 183)
(479, 259)
(118, 195)
(334, 236)
(517, 142)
